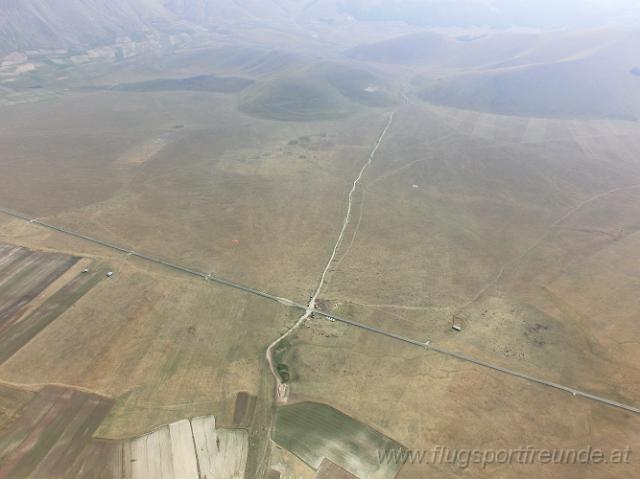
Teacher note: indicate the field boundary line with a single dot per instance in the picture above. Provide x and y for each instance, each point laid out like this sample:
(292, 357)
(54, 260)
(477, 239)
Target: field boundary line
(37, 387)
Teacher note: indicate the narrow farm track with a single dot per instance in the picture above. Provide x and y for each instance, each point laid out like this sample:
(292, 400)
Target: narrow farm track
(281, 389)
(550, 230)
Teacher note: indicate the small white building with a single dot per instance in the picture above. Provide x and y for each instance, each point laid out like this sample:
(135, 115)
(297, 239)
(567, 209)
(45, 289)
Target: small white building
(109, 274)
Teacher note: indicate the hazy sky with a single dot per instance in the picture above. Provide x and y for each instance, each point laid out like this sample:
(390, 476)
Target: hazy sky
(544, 14)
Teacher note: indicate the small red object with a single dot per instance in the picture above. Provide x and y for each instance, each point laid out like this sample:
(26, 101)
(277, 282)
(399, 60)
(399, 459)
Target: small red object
(236, 242)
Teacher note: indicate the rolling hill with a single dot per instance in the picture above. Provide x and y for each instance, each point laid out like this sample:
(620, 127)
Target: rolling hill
(595, 83)
(295, 99)
(322, 91)
(583, 74)
(82, 24)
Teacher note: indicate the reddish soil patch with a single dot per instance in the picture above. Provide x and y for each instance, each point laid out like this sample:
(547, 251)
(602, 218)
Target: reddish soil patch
(52, 436)
(24, 275)
(20, 333)
(12, 400)
(323, 305)
(244, 407)
(329, 470)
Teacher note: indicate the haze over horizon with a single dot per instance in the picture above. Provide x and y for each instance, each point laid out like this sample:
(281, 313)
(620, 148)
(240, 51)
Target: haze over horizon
(499, 14)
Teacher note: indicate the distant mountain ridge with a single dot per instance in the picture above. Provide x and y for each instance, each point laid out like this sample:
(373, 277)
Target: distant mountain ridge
(69, 24)
(78, 24)
(82, 24)
(590, 73)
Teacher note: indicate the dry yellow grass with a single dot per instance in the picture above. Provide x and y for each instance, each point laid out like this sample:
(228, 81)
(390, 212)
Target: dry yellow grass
(495, 218)
(556, 210)
(277, 188)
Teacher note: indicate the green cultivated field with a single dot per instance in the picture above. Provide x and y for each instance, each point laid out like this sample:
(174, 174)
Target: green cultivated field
(313, 431)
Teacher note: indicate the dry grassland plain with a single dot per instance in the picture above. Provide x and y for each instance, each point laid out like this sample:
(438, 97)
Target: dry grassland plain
(549, 295)
(440, 231)
(522, 229)
(223, 177)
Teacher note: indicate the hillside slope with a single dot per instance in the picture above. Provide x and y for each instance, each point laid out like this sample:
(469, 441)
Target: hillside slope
(84, 24)
(51, 24)
(203, 11)
(593, 83)
(584, 74)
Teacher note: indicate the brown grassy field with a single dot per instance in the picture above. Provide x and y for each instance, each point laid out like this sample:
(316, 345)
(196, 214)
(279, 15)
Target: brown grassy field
(223, 177)
(522, 230)
(215, 196)
(166, 335)
(552, 203)
(436, 247)
(423, 400)
(145, 336)
(527, 242)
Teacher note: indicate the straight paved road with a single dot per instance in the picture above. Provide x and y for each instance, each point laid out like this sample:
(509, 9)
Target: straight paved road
(332, 317)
